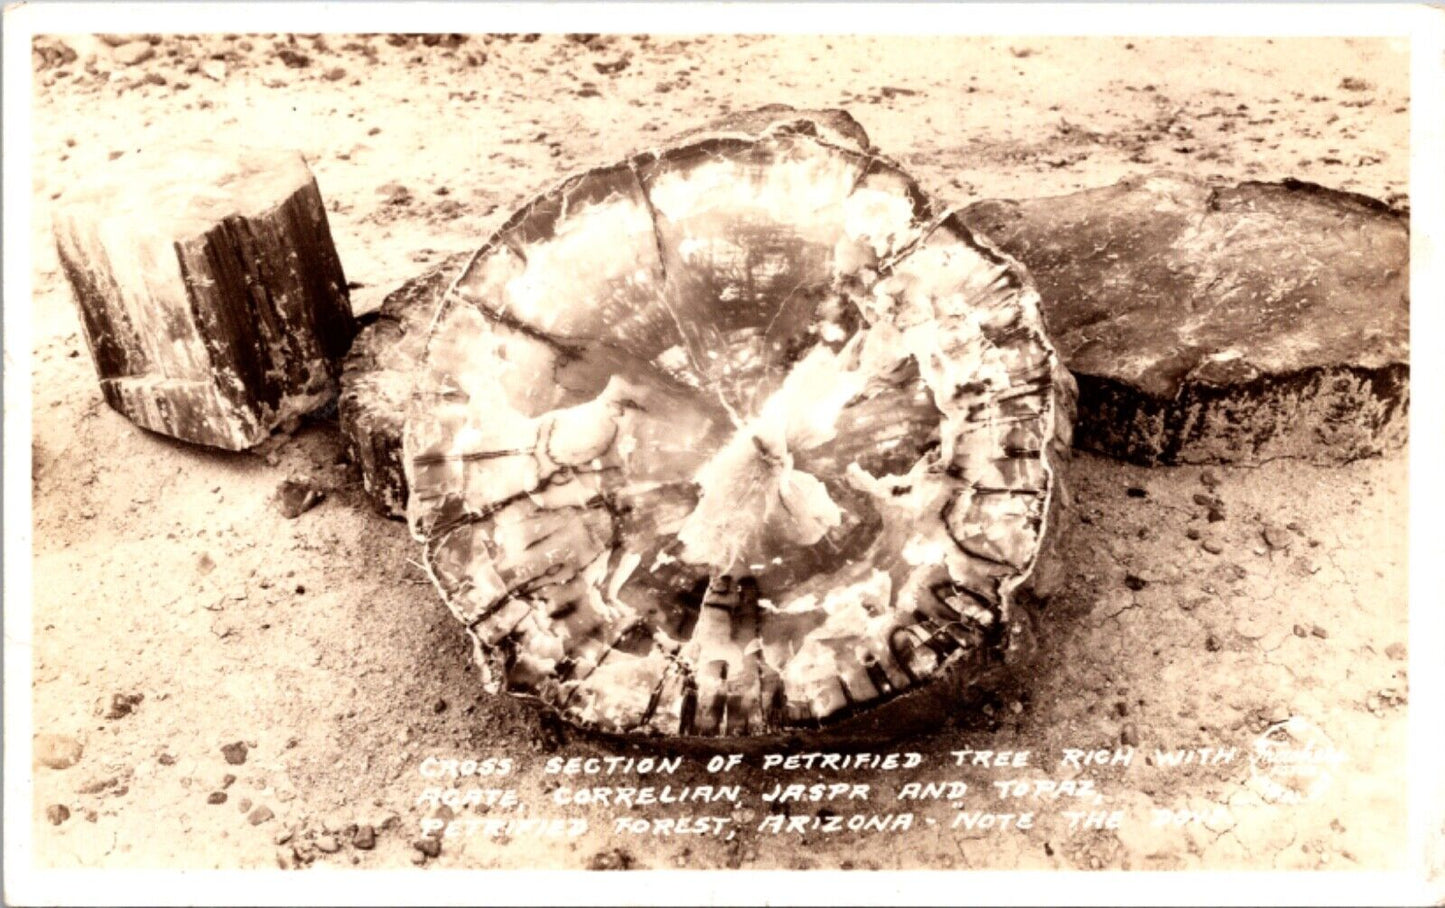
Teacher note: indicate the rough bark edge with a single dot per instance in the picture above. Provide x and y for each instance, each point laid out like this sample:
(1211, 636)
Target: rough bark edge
(373, 437)
(1123, 422)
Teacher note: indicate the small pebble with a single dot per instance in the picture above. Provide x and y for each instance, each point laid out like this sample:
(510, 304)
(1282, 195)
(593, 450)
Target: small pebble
(133, 52)
(57, 751)
(216, 797)
(611, 859)
(1215, 515)
(1130, 735)
(328, 844)
(235, 753)
(1320, 632)
(228, 780)
(1204, 501)
(1397, 652)
(285, 835)
(1213, 643)
(296, 498)
(260, 815)
(1192, 533)
(1301, 631)
(1212, 547)
(244, 805)
(335, 74)
(431, 847)
(611, 67)
(1208, 479)
(293, 59)
(1276, 537)
(1135, 583)
(117, 706)
(365, 838)
(57, 814)
(1136, 492)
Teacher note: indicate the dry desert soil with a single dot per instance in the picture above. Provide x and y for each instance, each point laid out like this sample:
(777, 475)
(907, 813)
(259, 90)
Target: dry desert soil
(178, 614)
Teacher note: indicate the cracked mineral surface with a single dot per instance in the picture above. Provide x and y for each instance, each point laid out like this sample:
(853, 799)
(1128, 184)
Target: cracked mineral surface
(735, 438)
(1222, 324)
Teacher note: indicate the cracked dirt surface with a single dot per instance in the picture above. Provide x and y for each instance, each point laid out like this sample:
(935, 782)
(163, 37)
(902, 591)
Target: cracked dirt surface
(167, 571)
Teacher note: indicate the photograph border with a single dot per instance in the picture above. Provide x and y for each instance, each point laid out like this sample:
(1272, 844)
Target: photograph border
(1423, 27)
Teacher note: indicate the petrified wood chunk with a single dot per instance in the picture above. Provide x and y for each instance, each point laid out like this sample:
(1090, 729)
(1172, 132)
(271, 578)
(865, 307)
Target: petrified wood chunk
(377, 377)
(210, 293)
(738, 439)
(1221, 325)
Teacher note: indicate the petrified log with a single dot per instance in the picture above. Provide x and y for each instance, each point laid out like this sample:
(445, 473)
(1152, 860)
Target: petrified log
(738, 440)
(210, 294)
(376, 381)
(1230, 325)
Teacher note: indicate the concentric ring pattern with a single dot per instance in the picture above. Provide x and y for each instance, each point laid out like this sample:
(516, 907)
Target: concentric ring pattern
(734, 438)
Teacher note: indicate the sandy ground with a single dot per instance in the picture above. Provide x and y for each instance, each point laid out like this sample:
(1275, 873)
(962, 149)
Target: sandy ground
(166, 571)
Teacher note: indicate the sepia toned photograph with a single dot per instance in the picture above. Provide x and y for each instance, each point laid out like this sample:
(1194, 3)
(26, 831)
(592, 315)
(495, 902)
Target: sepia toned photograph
(647, 448)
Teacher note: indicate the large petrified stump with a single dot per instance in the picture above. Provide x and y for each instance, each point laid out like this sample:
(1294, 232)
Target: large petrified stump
(737, 439)
(1227, 325)
(210, 294)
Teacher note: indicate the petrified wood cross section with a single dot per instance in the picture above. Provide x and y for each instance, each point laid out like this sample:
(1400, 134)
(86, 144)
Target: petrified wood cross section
(736, 438)
(1222, 324)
